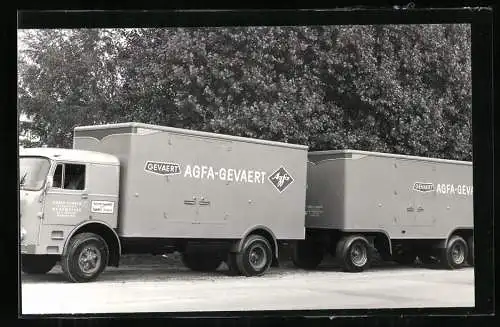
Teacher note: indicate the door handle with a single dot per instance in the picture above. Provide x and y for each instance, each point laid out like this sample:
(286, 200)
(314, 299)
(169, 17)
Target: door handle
(419, 209)
(85, 196)
(410, 209)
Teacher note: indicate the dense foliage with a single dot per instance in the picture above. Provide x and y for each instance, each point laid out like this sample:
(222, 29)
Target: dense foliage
(403, 89)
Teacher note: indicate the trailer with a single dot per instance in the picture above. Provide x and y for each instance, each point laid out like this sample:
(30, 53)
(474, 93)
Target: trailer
(403, 207)
(135, 188)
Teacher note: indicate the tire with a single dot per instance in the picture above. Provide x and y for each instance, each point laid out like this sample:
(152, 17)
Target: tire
(470, 256)
(201, 261)
(354, 253)
(255, 257)
(454, 256)
(306, 255)
(37, 264)
(85, 258)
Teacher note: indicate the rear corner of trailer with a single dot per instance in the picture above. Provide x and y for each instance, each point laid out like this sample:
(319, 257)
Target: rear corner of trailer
(454, 195)
(287, 184)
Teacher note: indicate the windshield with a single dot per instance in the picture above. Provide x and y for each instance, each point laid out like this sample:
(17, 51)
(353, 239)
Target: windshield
(33, 172)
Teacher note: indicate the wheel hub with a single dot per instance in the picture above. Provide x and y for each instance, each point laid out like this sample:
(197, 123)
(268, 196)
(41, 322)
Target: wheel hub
(457, 254)
(359, 256)
(257, 257)
(89, 260)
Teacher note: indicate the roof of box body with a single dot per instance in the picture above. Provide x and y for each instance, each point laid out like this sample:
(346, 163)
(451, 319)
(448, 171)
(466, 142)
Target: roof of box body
(188, 132)
(388, 155)
(71, 155)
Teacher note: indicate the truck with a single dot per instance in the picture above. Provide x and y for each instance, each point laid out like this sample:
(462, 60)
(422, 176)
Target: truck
(360, 204)
(134, 188)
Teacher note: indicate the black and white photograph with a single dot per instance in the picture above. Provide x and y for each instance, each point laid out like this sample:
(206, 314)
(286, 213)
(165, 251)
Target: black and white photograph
(245, 168)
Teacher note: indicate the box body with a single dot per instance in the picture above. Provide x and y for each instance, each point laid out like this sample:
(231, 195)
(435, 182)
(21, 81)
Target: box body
(178, 183)
(403, 196)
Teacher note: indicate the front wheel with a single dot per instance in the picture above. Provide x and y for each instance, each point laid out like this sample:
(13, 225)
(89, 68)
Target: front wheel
(255, 257)
(354, 253)
(37, 264)
(85, 258)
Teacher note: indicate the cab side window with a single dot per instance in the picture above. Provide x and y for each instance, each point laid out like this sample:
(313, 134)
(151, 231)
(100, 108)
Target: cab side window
(69, 177)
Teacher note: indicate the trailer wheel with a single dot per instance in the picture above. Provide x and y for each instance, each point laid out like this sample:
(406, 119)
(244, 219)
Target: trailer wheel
(306, 255)
(354, 253)
(201, 261)
(37, 264)
(454, 256)
(86, 257)
(255, 257)
(470, 256)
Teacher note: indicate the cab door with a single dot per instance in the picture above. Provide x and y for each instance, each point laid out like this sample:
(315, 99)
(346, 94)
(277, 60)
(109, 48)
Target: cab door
(66, 201)
(103, 184)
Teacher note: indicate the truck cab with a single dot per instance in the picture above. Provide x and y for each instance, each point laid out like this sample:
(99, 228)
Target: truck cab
(64, 192)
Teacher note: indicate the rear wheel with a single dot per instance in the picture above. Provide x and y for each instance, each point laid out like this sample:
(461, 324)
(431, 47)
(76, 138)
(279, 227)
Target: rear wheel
(454, 256)
(255, 257)
(37, 264)
(306, 255)
(354, 253)
(85, 258)
(201, 261)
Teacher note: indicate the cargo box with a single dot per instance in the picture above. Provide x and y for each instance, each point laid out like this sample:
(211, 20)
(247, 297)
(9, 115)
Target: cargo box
(178, 183)
(403, 196)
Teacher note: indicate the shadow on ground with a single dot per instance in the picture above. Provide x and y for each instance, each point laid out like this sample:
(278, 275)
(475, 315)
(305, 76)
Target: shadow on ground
(161, 268)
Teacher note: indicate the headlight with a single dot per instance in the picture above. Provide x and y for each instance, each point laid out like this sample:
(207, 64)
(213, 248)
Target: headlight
(23, 233)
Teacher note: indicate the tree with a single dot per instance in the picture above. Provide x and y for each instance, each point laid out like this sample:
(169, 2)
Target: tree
(66, 78)
(394, 88)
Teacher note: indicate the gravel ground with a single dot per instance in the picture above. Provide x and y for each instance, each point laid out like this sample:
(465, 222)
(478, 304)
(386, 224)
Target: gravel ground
(158, 284)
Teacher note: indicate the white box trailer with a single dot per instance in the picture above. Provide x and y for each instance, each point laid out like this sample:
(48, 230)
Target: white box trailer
(402, 206)
(137, 188)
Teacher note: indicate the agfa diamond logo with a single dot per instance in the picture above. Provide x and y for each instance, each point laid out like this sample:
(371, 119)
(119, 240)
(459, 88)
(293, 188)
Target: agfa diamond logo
(281, 179)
